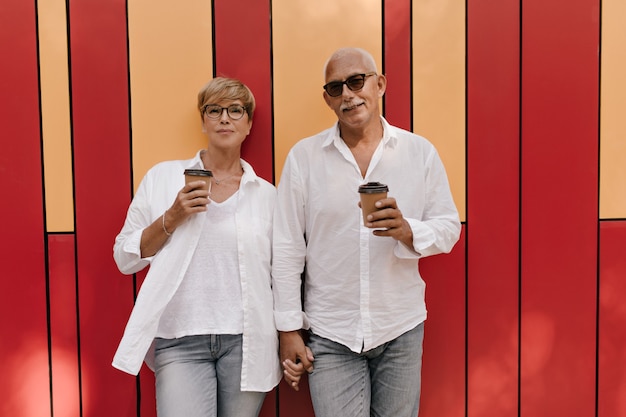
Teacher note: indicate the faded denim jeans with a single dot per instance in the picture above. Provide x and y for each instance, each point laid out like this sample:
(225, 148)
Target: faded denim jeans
(382, 382)
(200, 376)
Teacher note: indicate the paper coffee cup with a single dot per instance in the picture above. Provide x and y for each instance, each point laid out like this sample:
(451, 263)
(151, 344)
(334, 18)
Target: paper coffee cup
(199, 175)
(370, 193)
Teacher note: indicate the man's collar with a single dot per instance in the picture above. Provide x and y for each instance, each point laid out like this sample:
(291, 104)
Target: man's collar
(389, 139)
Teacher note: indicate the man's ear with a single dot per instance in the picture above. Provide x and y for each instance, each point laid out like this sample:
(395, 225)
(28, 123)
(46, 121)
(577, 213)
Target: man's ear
(326, 98)
(382, 85)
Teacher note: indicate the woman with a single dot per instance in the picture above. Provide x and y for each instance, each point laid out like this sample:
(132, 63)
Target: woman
(203, 319)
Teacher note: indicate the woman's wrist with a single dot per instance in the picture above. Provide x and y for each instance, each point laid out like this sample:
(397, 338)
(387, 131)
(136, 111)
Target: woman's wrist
(163, 225)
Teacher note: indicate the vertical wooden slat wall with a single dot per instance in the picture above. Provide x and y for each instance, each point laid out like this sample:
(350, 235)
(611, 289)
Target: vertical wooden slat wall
(526, 315)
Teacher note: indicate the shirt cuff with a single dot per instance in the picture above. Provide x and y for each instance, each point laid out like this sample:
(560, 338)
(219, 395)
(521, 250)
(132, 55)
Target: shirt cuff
(423, 238)
(290, 320)
(133, 243)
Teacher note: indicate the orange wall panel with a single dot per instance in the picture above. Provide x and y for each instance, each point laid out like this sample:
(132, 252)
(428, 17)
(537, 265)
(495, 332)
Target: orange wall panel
(55, 115)
(613, 103)
(439, 85)
(171, 58)
(304, 35)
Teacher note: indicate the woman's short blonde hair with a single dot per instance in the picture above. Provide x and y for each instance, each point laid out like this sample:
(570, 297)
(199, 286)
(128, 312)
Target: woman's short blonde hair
(223, 88)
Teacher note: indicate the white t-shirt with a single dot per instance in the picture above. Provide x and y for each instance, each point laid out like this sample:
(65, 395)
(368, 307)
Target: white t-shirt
(208, 300)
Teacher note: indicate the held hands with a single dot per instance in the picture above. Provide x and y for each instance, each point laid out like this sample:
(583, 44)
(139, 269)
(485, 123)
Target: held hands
(388, 221)
(295, 357)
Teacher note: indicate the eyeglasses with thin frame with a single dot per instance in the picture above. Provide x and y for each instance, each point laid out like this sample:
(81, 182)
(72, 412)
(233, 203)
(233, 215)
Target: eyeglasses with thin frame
(354, 83)
(215, 111)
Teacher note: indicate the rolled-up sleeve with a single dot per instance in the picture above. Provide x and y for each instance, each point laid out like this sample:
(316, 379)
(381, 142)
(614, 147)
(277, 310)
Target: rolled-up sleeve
(440, 227)
(289, 250)
(127, 247)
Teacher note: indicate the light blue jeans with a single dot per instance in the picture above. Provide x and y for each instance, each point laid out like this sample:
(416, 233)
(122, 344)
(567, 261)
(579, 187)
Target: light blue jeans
(382, 382)
(200, 376)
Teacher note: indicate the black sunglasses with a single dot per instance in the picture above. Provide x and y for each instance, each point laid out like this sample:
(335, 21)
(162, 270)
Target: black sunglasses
(354, 83)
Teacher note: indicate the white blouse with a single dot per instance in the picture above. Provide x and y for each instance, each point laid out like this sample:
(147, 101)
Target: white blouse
(208, 300)
(253, 218)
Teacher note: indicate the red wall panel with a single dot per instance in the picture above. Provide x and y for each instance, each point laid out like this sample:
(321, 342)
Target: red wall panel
(493, 59)
(146, 380)
(292, 403)
(559, 202)
(243, 50)
(101, 154)
(147, 387)
(398, 106)
(63, 325)
(23, 304)
(245, 53)
(612, 320)
(443, 365)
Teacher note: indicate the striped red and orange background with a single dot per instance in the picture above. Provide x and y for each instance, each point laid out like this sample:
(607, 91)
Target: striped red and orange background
(524, 100)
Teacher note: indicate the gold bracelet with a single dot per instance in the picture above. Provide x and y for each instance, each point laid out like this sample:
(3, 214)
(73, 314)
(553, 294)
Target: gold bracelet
(163, 224)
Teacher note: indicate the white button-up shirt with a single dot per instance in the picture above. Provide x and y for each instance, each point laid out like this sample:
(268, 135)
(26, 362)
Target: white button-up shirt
(360, 290)
(260, 367)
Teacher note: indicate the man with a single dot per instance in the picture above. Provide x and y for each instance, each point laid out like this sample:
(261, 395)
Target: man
(363, 294)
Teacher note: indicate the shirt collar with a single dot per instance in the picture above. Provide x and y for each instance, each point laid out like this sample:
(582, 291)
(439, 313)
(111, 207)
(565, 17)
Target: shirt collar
(389, 135)
(249, 175)
(196, 161)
